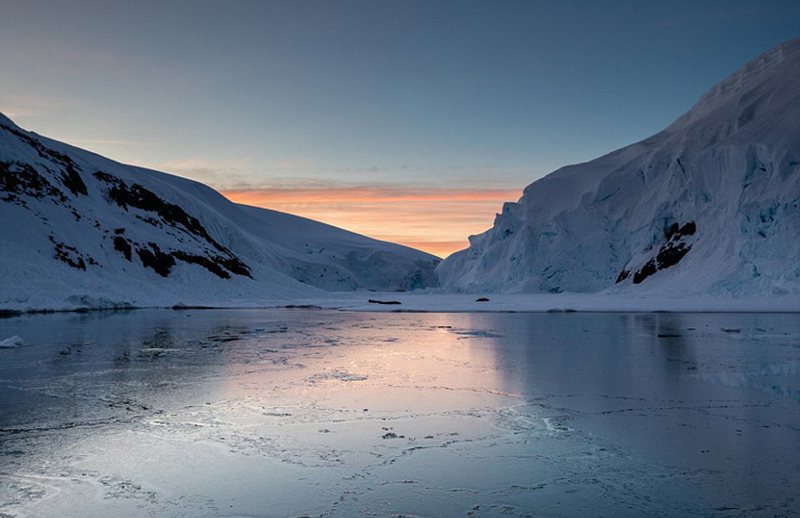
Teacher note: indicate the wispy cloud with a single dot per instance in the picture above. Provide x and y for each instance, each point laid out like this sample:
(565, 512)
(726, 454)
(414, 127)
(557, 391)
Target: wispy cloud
(22, 107)
(87, 142)
(217, 173)
(437, 220)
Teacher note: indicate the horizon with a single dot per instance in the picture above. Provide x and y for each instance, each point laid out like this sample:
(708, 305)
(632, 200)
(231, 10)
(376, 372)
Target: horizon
(410, 123)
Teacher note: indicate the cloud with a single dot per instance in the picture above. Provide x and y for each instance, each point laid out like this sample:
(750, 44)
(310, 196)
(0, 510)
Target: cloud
(437, 220)
(218, 173)
(21, 107)
(104, 142)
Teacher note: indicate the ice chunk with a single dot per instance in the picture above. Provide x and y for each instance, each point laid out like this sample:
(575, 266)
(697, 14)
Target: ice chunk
(12, 342)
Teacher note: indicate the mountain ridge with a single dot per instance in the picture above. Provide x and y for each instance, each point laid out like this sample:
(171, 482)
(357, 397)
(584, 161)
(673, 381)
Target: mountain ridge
(87, 231)
(729, 166)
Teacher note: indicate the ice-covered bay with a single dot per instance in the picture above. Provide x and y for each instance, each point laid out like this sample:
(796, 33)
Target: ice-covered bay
(304, 412)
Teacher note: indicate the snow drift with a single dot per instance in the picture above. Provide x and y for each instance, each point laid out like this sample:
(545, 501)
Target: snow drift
(79, 230)
(709, 205)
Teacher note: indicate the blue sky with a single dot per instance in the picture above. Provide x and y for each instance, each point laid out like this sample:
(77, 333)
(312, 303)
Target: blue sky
(369, 94)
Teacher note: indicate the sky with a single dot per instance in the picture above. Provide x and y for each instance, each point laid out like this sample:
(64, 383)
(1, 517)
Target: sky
(409, 121)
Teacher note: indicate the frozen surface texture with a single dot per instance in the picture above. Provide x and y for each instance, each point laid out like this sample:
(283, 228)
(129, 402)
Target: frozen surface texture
(552, 302)
(81, 231)
(710, 205)
(303, 412)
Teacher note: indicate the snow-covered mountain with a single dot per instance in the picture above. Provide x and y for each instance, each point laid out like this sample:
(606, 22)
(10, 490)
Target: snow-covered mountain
(77, 229)
(709, 205)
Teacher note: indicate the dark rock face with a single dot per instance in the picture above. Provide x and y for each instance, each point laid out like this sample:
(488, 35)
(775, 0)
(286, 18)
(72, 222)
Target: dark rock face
(154, 258)
(123, 245)
(669, 254)
(162, 262)
(19, 182)
(213, 264)
(126, 217)
(70, 255)
(646, 271)
(72, 180)
(675, 231)
(17, 179)
(70, 174)
(234, 265)
(144, 199)
(221, 264)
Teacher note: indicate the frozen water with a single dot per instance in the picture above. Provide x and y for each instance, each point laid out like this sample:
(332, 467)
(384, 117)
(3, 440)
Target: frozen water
(309, 412)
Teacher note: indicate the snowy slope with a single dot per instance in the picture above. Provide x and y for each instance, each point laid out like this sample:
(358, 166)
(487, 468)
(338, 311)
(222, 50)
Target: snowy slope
(709, 205)
(79, 230)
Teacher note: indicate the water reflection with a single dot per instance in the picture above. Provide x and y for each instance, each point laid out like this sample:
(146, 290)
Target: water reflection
(199, 413)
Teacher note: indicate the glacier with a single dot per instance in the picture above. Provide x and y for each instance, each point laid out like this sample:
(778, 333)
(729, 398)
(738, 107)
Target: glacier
(710, 205)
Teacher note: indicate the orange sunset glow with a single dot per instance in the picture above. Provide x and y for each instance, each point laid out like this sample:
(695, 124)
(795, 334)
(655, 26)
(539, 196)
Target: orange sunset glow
(433, 220)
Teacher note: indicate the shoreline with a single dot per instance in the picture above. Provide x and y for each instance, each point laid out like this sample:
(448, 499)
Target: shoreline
(411, 302)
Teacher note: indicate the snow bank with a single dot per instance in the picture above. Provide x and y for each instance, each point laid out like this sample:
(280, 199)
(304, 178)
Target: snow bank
(12, 342)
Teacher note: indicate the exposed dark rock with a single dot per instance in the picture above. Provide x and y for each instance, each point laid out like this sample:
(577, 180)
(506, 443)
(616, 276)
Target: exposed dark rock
(154, 258)
(674, 231)
(669, 254)
(203, 261)
(162, 262)
(688, 229)
(391, 302)
(70, 175)
(144, 199)
(235, 265)
(22, 179)
(482, 299)
(671, 231)
(173, 215)
(69, 255)
(646, 271)
(123, 245)
(72, 180)
(65, 256)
